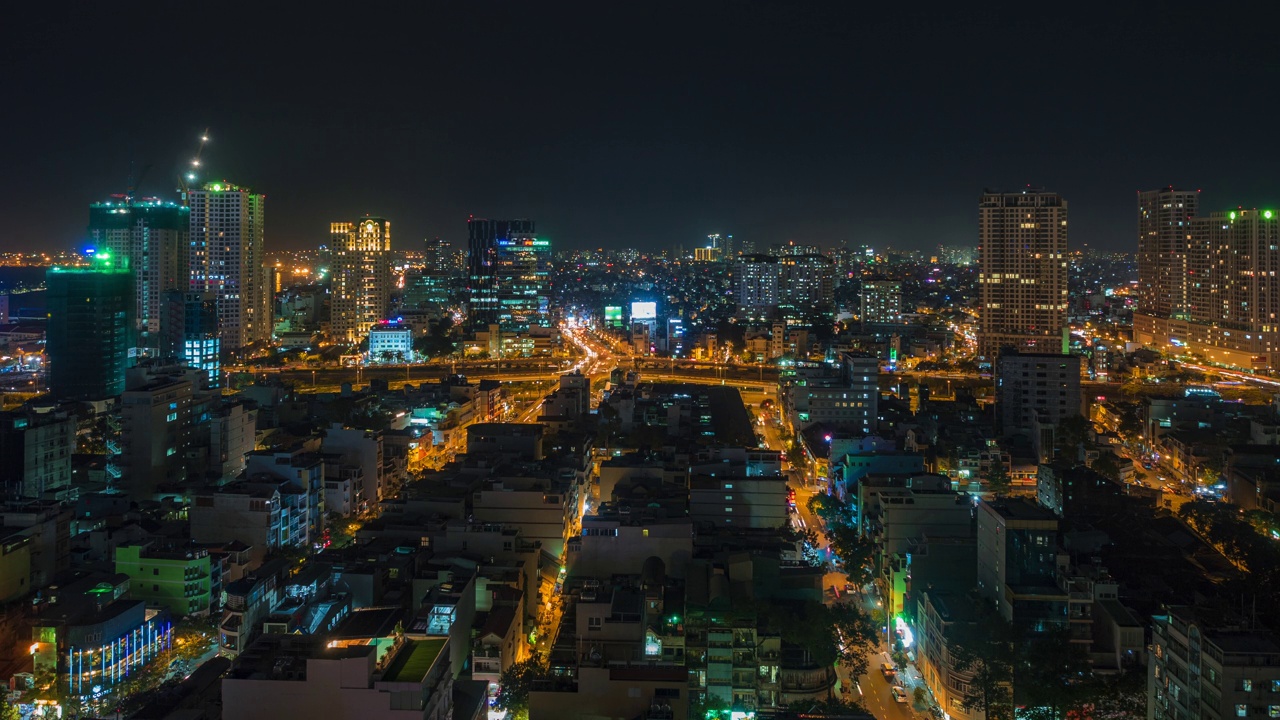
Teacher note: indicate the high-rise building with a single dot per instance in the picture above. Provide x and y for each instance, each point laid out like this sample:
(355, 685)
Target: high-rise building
(1035, 392)
(189, 331)
(1023, 272)
(1164, 224)
(507, 273)
(882, 302)
(756, 280)
(361, 271)
(1231, 292)
(151, 239)
(439, 257)
(228, 259)
(90, 338)
(155, 434)
(806, 284)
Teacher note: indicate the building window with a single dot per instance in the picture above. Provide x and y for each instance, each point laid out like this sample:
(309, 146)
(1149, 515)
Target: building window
(1246, 685)
(1273, 711)
(1242, 710)
(593, 623)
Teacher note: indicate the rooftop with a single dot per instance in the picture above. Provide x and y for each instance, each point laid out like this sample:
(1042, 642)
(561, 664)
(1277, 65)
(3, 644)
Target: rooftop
(414, 661)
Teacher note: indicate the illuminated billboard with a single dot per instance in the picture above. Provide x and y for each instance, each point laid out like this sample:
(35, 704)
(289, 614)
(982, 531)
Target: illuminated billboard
(613, 315)
(644, 311)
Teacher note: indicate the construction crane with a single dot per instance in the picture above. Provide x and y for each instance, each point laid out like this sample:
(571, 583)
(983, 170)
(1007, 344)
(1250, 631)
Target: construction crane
(185, 179)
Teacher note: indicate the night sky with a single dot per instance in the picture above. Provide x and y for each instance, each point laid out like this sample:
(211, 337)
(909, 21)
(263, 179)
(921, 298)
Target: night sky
(639, 124)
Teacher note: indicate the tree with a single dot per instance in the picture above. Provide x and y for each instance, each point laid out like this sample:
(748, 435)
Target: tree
(1122, 697)
(709, 706)
(515, 684)
(1108, 466)
(1071, 433)
(986, 649)
(998, 479)
(829, 509)
(1051, 676)
(854, 553)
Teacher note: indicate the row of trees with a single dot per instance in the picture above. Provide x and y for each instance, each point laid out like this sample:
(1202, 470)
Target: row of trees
(1049, 672)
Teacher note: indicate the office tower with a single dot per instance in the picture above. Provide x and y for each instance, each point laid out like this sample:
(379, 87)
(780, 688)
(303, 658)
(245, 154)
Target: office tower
(361, 271)
(190, 332)
(1164, 223)
(228, 259)
(1232, 292)
(152, 240)
(438, 256)
(756, 280)
(91, 330)
(881, 302)
(1023, 272)
(36, 445)
(1036, 392)
(507, 273)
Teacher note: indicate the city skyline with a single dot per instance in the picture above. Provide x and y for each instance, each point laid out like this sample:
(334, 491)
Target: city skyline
(801, 123)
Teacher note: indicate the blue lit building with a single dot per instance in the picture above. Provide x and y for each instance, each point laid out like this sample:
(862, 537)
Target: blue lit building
(94, 637)
(390, 341)
(190, 330)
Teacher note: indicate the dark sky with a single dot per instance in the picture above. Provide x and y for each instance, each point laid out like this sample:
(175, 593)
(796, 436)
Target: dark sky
(638, 124)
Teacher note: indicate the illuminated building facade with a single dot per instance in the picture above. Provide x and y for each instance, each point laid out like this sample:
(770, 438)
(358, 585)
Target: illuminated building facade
(390, 342)
(361, 268)
(882, 302)
(1164, 227)
(1023, 272)
(90, 339)
(151, 240)
(190, 332)
(507, 274)
(95, 637)
(1232, 292)
(228, 259)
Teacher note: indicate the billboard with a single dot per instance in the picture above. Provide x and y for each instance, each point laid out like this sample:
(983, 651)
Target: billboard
(644, 311)
(613, 315)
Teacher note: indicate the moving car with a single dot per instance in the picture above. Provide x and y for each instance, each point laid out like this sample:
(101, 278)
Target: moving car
(899, 694)
(888, 670)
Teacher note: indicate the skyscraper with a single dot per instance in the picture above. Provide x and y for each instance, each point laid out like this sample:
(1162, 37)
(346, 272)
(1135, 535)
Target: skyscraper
(360, 265)
(1209, 283)
(150, 239)
(1023, 272)
(91, 329)
(1164, 222)
(507, 266)
(228, 259)
(1233, 292)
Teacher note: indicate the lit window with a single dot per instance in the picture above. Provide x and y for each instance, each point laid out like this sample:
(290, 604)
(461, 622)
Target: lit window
(1242, 710)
